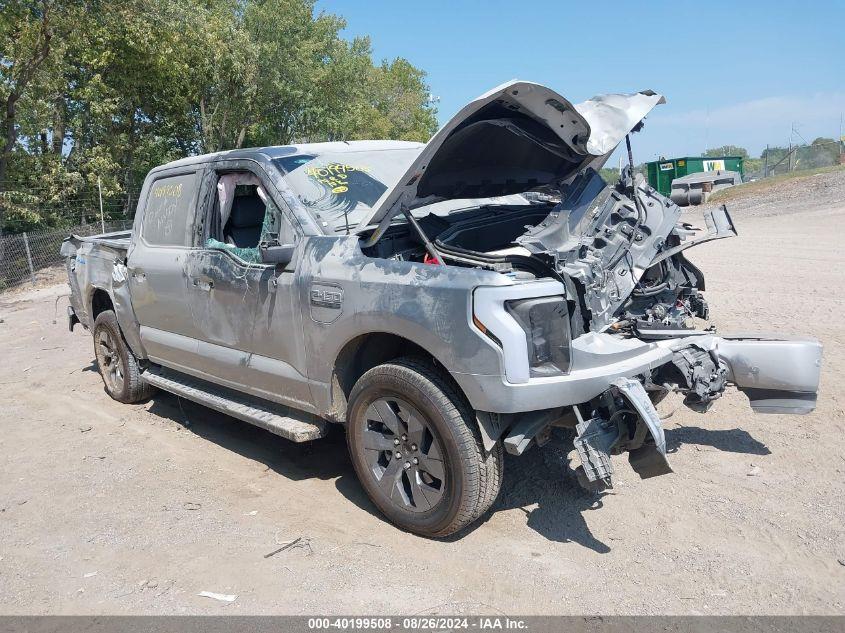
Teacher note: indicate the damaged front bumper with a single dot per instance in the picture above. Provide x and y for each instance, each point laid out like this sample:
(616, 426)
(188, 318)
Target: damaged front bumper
(643, 440)
(780, 375)
(609, 387)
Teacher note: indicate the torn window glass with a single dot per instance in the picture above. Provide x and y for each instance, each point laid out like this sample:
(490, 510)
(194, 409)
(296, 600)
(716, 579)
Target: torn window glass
(244, 217)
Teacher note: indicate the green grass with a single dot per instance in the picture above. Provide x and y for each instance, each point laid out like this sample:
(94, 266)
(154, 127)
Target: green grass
(762, 185)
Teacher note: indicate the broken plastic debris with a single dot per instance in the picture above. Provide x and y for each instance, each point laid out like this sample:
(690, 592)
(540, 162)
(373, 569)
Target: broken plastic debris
(223, 597)
(89, 574)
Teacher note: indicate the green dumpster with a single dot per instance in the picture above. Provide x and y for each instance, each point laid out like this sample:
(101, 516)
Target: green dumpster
(661, 173)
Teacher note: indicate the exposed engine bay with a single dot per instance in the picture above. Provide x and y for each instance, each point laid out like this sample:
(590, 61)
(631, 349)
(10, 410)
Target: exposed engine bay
(622, 257)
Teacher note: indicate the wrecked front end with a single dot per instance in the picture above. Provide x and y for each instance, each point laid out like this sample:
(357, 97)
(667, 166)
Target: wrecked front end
(634, 300)
(598, 322)
(609, 393)
(629, 302)
(777, 376)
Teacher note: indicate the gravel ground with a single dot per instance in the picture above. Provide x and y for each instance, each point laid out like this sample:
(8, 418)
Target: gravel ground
(785, 195)
(117, 509)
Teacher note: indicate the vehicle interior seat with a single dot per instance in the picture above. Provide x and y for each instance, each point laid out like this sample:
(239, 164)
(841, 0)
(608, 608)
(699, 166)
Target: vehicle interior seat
(243, 229)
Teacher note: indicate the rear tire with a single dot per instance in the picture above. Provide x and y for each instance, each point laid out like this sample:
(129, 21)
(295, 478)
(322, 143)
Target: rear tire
(118, 365)
(417, 450)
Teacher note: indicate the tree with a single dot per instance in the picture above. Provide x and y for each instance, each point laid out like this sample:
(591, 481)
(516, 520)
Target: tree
(399, 98)
(147, 81)
(285, 75)
(727, 150)
(822, 152)
(610, 175)
(26, 31)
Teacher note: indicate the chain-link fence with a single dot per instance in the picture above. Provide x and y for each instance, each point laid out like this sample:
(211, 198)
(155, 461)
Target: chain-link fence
(776, 161)
(24, 254)
(27, 207)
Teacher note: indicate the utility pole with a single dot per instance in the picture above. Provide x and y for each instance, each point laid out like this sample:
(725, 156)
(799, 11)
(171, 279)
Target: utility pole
(789, 153)
(841, 140)
(789, 157)
(102, 218)
(766, 166)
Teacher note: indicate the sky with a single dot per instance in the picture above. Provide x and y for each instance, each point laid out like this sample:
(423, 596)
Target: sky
(740, 73)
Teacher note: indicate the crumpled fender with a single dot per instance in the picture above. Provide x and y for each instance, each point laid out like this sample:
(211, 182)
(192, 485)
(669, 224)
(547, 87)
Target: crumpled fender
(94, 266)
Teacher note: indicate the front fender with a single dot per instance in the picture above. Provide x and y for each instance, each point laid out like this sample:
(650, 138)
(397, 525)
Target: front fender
(345, 294)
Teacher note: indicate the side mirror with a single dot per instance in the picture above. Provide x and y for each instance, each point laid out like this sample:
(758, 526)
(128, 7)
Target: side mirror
(277, 254)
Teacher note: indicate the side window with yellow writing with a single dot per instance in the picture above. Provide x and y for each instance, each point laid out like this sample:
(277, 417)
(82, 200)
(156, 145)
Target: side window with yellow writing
(169, 210)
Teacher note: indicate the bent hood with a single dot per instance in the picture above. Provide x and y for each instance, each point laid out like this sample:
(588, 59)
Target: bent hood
(514, 138)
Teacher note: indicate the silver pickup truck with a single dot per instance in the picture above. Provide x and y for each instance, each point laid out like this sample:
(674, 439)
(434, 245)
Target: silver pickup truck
(444, 302)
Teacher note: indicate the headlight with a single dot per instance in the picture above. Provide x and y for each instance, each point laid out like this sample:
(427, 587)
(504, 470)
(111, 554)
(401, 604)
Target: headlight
(546, 325)
(509, 315)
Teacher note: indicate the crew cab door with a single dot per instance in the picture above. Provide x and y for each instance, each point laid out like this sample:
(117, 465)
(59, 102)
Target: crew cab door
(162, 240)
(231, 293)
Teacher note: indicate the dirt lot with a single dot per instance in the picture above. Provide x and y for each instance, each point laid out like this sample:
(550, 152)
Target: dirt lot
(109, 508)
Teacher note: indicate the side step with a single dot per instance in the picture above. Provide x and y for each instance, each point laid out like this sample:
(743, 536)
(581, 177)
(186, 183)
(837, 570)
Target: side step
(291, 424)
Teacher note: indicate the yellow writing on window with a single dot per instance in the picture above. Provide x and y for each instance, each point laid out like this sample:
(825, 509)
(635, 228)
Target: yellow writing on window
(168, 191)
(335, 176)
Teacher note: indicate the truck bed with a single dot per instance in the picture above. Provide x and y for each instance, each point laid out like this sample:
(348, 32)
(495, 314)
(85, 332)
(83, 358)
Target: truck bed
(98, 262)
(117, 239)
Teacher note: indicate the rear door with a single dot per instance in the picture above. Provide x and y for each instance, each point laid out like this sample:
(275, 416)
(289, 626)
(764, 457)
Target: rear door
(163, 238)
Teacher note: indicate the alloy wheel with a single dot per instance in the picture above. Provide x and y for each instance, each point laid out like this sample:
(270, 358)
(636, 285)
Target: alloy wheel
(403, 454)
(108, 358)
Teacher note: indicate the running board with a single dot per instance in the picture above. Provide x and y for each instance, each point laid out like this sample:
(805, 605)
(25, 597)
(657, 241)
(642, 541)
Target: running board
(291, 424)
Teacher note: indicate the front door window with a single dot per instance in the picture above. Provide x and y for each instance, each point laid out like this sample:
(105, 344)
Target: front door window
(243, 216)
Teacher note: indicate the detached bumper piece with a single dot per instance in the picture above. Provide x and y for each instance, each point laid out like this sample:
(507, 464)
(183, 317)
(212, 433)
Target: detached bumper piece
(628, 422)
(596, 438)
(777, 375)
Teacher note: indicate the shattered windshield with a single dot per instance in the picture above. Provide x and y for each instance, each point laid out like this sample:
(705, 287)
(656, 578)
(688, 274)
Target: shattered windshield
(341, 188)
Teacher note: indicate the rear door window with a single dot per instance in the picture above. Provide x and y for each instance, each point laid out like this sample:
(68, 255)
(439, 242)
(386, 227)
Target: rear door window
(169, 211)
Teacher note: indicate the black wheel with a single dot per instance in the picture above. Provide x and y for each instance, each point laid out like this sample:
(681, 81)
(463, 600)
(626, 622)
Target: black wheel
(118, 365)
(417, 450)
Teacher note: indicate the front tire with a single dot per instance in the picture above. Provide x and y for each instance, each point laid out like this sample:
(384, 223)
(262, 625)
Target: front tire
(118, 365)
(417, 450)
